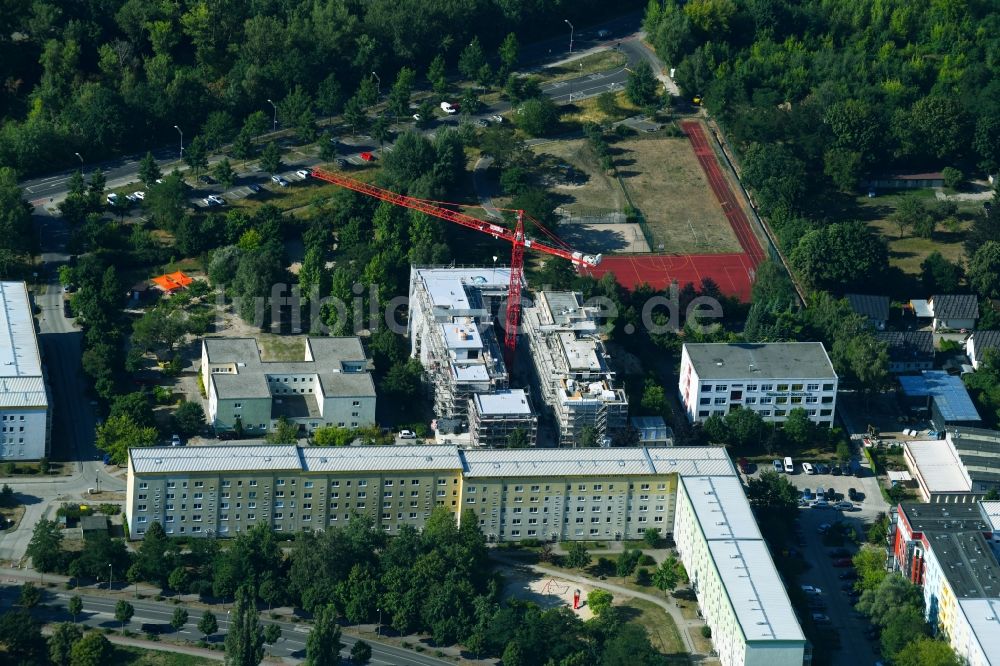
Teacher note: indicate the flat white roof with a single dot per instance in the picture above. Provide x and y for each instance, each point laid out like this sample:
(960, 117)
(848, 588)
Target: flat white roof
(991, 510)
(939, 466)
(597, 461)
(462, 335)
(721, 507)
(691, 461)
(380, 458)
(984, 618)
(446, 286)
(223, 458)
(514, 401)
(21, 383)
(755, 590)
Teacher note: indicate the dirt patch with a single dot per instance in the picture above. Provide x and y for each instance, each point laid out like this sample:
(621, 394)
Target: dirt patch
(12, 516)
(601, 61)
(594, 192)
(671, 190)
(546, 591)
(605, 238)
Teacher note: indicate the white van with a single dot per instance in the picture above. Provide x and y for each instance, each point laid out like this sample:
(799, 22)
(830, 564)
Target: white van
(789, 465)
(807, 468)
(448, 108)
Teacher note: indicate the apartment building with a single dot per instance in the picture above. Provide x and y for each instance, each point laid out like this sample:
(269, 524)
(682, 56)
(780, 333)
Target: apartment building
(571, 367)
(330, 386)
(951, 551)
(738, 587)
(769, 378)
(451, 332)
(692, 493)
(25, 416)
(495, 417)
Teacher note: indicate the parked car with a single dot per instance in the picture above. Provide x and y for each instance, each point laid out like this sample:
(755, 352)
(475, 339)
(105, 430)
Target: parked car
(809, 589)
(744, 465)
(835, 469)
(367, 157)
(497, 118)
(214, 200)
(840, 552)
(603, 34)
(824, 528)
(822, 469)
(113, 199)
(106, 459)
(139, 194)
(843, 562)
(303, 173)
(254, 187)
(821, 504)
(807, 493)
(449, 108)
(777, 465)
(855, 496)
(341, 163)
(820, 618)
(175, 440)
(417, 117)
(848, 575)
(407, 434)
(845, 468)
(280, 181)
(821, 493)
(807, 468)
(207, 180)
(844, 506)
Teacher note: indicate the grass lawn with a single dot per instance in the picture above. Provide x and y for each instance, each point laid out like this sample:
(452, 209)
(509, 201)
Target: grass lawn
(598, 193)
(281, 347)
(133, 656)
(670, 188)
(660, 626)
(601, 61)
(584, 111)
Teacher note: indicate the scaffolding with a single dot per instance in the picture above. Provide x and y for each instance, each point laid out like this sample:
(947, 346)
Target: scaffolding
(570, 363)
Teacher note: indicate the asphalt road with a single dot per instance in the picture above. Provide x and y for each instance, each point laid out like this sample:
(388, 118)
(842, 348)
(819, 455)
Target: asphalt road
(99, 611)
(50, 189)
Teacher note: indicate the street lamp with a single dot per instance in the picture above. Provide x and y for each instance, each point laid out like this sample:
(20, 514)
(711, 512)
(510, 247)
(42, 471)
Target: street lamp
(274, 127)
(379, 632)
(81, 158)
(378, 84)
(111, 575)
(570, 34)
(179, 131)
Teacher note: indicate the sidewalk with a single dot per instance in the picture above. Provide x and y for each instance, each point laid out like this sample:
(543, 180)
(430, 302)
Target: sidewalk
(118, 639)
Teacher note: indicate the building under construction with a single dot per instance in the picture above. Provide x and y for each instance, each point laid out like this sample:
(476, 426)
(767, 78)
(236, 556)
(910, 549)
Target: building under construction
(570, 363)
(494, 418)
(451, 313)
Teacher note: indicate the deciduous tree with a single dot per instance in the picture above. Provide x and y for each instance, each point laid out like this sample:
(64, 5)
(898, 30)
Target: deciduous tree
(323, 644)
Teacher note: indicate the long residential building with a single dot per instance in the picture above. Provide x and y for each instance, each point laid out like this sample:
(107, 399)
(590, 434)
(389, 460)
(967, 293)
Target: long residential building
(571, 367)
(951, 550)
(769, 378)
(691, 493)
(330, 386)
(25, 416)
(451, 332)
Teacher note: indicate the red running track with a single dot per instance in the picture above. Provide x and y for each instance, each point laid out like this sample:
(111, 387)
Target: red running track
(731, 272)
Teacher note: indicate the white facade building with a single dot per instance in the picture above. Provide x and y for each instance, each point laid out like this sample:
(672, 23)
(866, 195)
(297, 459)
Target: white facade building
(571, 366)
(738, 587)
(494, 417)
(331, 386)
(25, 417)
(770, 378)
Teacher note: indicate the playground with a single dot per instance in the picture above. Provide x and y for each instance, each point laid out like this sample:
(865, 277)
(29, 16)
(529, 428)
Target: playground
(547, 592)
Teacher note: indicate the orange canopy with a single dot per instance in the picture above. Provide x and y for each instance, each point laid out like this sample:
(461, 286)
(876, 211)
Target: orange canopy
(172, 281)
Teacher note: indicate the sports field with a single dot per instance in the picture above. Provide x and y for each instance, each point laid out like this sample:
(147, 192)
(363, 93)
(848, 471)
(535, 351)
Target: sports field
(673, 192)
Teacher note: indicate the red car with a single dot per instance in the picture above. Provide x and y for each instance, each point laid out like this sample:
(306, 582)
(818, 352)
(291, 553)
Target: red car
(843, 562)
(367, 157)
(744, 465)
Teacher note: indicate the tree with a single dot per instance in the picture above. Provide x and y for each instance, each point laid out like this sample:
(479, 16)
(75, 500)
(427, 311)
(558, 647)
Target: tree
(744, 427)
(538, 116)
(332, 436)
(361, 652)
(330, 96)
(984, 270)
(355, 116)
(402, 90)
(242, 147)
(436, 74)
(925, 651)
(799, 430)
(296, 110)
(641, 87)
(513, 655)
(272, 633)
(607, 104)
(45, 547)
(940, 276)
(29, 596)
(270, 158)
(208, 625)
(189, 419)
(840, 255)
(472, 59)
(517, 439)
(196, 155)
(508, 53)
(894, 593)
(22, 638)
(223, 172)
(64, 636)
(119, 434)
(902, 626)
(91, 650)
(380, 130)
(244, 640)
(178, 619)
(774, 498)
(910, 213)
(75, 606)
(577, 556)
(599, 600)
(588, 437)
(669, 575)
(323, 644)
(651, 537)
(953, 178)
(627, 562)
(870, 565)
(256, 124)
(124, 612)
(286, 432)
(149, 170)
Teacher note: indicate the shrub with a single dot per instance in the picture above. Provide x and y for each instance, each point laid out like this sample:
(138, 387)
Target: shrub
(647, 561)
(706, 631)
(953, 178)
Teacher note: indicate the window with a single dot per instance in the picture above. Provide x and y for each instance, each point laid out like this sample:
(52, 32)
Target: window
(198, 496)
(361, 484)
(253, 482)
(279, 482)
(141, 496)
(308, 484)
(767, 387)
(781, 400)
(796, 387)
(825, 412)
(766, 400)
(335, 484)
(780, 412)
(171, 484)
(199, 484)
(196, 517)
(720, 401)
(811, 400)
(703, 413)
(388, 483)
(226, 484)
(812, 387)
(705, 401)
(765, 412)
(782, 387)
(751, 387)
(707, 388)
(143, 485)
(796, 400)
(750, 400)
(196, 506)
(827, 387)
(141, 507)
(356, 403)
(721, 387)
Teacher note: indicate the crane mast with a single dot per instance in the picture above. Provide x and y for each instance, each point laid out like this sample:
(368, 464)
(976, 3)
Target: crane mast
(517, 238)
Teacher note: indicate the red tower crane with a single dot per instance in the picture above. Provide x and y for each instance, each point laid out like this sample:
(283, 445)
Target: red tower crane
(515, 237)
